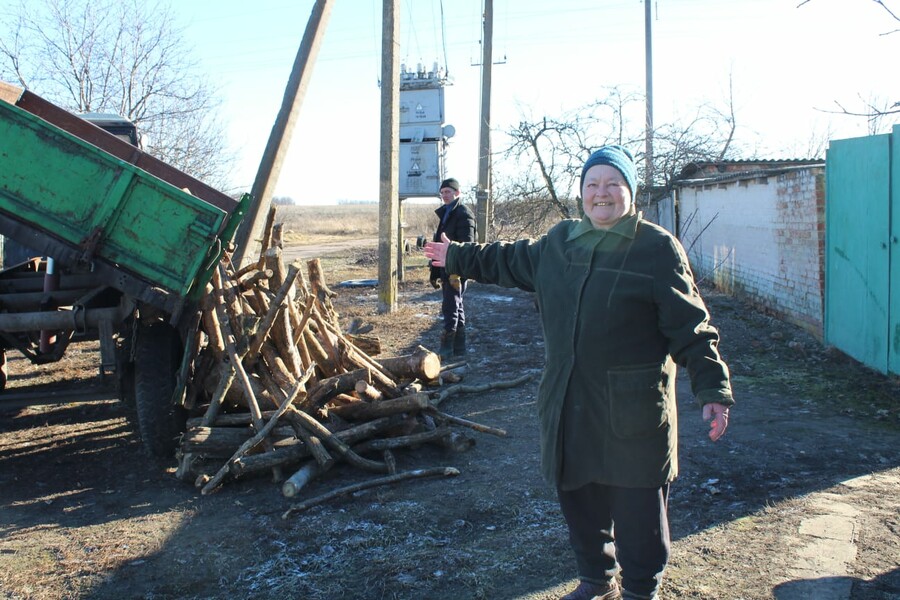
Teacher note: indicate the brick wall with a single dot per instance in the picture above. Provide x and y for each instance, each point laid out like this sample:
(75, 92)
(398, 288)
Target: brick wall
(761, 238)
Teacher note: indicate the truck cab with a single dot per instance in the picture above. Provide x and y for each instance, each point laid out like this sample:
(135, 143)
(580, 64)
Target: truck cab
(120, 127)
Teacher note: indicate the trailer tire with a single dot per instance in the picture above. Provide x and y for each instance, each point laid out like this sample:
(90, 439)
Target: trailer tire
(125, 366)
(4, 369)
(157, 354)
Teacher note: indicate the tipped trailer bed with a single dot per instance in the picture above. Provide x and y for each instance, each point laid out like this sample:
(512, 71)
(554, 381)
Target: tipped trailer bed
(122, 247)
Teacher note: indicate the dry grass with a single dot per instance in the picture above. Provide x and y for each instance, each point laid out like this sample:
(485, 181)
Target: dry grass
(317, 224)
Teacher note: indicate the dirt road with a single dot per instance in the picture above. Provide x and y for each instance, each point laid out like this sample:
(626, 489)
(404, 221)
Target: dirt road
(801, 492)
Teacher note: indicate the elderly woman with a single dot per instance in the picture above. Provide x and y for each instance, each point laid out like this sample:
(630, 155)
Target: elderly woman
(620, 309)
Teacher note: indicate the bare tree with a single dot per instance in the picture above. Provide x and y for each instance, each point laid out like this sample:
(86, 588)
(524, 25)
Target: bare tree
(875, 111)
(546, 156)
(522, 209)
(880, 3)
(126, 57)
(707, 136)
(548, 153)
(549, 148)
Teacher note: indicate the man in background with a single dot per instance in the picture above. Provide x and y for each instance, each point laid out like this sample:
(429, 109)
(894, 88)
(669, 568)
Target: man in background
(457, 221)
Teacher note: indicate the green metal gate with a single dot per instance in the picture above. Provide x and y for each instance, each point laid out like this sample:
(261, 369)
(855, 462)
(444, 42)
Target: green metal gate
(862, 254)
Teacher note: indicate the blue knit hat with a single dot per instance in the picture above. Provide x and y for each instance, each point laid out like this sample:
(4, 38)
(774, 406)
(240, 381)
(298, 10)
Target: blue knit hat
(615, 156)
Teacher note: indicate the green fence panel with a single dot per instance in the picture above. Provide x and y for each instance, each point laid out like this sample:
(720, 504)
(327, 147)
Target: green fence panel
(857, 240)
(894, 328)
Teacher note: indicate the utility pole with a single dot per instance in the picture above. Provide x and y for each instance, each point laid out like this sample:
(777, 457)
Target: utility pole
(648, 43)
(389, 180)
(249, 234)
(483, 192)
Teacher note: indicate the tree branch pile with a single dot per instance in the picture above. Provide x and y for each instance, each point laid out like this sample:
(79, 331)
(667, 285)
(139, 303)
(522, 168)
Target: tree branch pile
(283, 389)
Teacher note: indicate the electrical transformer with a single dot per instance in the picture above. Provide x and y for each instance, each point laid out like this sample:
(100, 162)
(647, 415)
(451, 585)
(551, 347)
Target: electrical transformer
(423, 134)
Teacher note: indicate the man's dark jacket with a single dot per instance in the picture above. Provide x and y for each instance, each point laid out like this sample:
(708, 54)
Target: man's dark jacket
(459, 227)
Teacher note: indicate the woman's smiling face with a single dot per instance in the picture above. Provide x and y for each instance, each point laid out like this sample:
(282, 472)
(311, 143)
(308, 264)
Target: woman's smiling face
(606, 197)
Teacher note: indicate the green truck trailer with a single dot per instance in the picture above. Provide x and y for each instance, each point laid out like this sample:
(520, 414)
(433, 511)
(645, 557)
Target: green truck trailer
(123, 246)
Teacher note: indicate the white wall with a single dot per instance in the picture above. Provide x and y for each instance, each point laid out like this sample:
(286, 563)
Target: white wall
(761, 239)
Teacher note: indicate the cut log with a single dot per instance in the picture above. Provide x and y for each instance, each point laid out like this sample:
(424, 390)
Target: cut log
(218, 284)
(278, 235)
(320, 290)
(213, 332)
(466, 423)
(275, 262)
(422, 364)
(261, 436)
(326, 388)
(361, 411)
(334, 442)
(314, 444)
(267, 233)
(224, 441)
(254, 279)
(366, 391)
(296, 482)
(318, 355)
(272, 388)
(351, 489)
(260, 462)
(343, 400)
(274, 363)
(276, 307)
(370, 344)
(402, 441)
(228, 420)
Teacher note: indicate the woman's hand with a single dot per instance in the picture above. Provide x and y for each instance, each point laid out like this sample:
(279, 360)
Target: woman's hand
(437, 251)
(717, 414)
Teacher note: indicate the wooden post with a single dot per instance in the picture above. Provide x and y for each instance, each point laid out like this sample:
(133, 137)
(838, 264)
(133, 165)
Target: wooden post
(483, 191)
(390, 152)
(247, 238)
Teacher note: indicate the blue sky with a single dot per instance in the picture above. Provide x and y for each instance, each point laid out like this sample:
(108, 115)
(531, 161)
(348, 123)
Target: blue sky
(788, 63)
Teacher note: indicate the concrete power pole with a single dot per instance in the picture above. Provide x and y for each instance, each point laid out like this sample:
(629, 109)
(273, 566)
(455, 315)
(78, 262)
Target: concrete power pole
(247, 239)
(388, 212)
(648, 43)
(483, 192)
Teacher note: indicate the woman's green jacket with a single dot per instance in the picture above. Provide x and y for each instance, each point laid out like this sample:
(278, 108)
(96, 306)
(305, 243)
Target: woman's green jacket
(619, 310)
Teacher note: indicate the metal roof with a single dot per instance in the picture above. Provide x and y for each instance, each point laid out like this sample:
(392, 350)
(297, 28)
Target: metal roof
(763, 168)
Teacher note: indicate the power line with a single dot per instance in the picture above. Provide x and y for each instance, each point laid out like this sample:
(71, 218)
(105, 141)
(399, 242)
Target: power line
(444, 39)
(412, 28)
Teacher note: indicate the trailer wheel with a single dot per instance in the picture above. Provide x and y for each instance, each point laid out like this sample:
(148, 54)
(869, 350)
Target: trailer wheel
(157, 356)
(4, 369)
(125, 366)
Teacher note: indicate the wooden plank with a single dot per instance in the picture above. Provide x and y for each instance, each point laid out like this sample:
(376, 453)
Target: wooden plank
(121, 149)
(10, 93)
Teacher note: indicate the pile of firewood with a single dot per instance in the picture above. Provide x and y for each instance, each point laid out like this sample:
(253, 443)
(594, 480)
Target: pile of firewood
(284, 387)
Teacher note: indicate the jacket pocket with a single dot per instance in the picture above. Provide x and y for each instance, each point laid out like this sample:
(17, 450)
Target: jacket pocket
(639, 399)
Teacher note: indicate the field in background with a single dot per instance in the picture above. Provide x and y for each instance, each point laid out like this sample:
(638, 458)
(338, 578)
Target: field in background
(319, 224)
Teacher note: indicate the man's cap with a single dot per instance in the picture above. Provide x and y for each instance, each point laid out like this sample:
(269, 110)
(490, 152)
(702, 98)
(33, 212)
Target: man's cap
(450, 183)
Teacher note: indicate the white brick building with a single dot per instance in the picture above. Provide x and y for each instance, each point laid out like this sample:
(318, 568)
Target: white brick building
(757, 229)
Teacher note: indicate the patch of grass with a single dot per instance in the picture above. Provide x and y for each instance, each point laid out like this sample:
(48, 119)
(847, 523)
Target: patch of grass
(836, 381)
